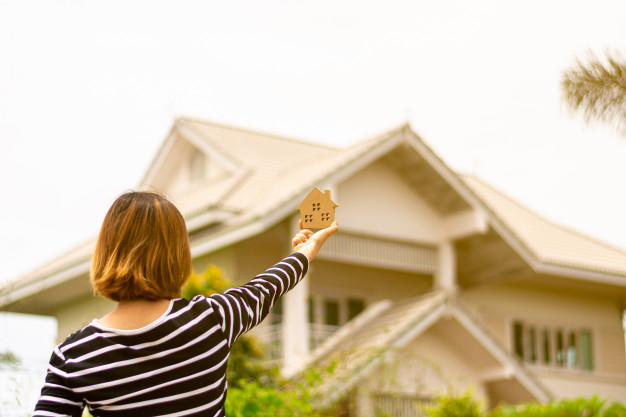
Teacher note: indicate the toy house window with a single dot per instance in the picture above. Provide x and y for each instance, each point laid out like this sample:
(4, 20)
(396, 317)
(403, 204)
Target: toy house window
(553, 347)
(316, 207)
(197, 165)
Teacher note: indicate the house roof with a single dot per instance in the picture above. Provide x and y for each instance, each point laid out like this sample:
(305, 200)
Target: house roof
(269, 175)
(358, 349)
(548, 243)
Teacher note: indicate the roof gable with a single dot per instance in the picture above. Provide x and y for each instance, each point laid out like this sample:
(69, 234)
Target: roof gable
(360, 347)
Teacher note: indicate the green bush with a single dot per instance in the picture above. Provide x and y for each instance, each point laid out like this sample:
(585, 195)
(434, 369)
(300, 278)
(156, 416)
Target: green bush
(254, 400)
(455, 406)
(578, 407)
(466, 406)
(615, 410)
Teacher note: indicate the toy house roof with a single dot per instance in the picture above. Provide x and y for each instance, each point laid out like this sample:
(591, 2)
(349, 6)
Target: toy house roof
(317, 194)
(262, 178)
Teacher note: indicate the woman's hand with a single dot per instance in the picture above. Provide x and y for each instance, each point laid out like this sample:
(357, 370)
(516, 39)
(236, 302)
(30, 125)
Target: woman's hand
(310, 243)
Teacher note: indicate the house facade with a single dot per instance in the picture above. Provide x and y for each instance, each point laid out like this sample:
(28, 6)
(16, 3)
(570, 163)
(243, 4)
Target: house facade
(435, 282)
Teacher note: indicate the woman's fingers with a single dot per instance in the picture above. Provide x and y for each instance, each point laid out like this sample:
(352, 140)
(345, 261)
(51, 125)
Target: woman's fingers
(313, 242)
(301, 238)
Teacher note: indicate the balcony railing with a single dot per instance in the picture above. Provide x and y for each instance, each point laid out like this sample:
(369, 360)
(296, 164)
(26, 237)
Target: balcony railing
(271, 338)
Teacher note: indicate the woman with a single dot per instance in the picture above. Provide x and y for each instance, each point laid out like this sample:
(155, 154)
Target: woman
(157, 354)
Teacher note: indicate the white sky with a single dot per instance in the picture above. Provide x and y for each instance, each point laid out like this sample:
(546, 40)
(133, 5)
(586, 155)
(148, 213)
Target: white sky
(89, 90)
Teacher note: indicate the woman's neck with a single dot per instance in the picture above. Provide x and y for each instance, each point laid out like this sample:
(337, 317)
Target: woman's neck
(134, 314)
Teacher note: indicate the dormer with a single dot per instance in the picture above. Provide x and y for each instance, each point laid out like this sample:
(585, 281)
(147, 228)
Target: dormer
(188, 162)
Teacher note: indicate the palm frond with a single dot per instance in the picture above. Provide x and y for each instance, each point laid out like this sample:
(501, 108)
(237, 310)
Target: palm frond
(597, 89)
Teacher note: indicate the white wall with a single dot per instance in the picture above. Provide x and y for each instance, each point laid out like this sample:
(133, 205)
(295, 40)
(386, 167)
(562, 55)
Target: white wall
(380, 201)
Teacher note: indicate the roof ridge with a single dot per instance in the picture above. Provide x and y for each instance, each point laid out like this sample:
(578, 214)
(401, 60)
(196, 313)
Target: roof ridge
(537, 215)
(187, 120)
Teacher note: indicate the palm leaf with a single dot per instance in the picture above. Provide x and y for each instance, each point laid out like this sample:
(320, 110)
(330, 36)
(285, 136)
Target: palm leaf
(597, 89)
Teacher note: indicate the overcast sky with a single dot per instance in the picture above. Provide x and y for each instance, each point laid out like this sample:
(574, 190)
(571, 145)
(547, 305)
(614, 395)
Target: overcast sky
(89, 90)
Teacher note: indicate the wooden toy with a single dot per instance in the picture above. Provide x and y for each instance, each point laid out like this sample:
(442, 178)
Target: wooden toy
(317, 210)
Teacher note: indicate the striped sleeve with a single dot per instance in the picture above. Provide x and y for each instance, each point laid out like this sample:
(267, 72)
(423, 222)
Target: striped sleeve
(244, 307)
(57, 399)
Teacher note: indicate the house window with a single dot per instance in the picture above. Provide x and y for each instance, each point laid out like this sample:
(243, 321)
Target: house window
(518, 339)
(355, 307)
(331, 313)
(560, 349)
(326, 315)
(572, 352)
(276, 314)
(586, 356)
(554, 347)
(546, 347)
(532, 345)
(311, 310)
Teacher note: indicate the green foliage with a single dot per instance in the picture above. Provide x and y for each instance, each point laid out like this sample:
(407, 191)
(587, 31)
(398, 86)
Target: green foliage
(466, 406)
(615, 410)
(578, 407)
(254, 400)
(9, 360)
(246, 364)
(209, 282)
(455, 406)
(597, 89)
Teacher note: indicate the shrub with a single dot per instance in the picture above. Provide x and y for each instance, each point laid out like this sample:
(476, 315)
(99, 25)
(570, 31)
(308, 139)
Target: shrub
(578, 407)
(254, 400)
(455, 406)
(615, 410)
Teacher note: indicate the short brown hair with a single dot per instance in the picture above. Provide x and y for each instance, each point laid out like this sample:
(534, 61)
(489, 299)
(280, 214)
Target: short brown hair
(142, 250)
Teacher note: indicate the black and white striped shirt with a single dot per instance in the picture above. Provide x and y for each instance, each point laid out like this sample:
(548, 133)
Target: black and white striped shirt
(175, 366)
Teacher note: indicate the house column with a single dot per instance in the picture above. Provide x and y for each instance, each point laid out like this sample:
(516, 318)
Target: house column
(295, 340)
(446, 275)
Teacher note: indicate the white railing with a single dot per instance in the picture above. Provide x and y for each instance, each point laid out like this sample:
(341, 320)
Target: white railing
(400, 405)
(271, 336)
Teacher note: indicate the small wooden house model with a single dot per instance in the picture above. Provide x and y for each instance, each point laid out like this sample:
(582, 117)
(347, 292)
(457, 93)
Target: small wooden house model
(317, 210)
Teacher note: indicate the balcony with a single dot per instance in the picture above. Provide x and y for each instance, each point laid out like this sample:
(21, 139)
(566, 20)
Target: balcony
(270, 338)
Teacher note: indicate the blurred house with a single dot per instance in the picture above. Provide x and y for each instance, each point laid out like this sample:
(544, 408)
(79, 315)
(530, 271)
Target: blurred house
(435, 281)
